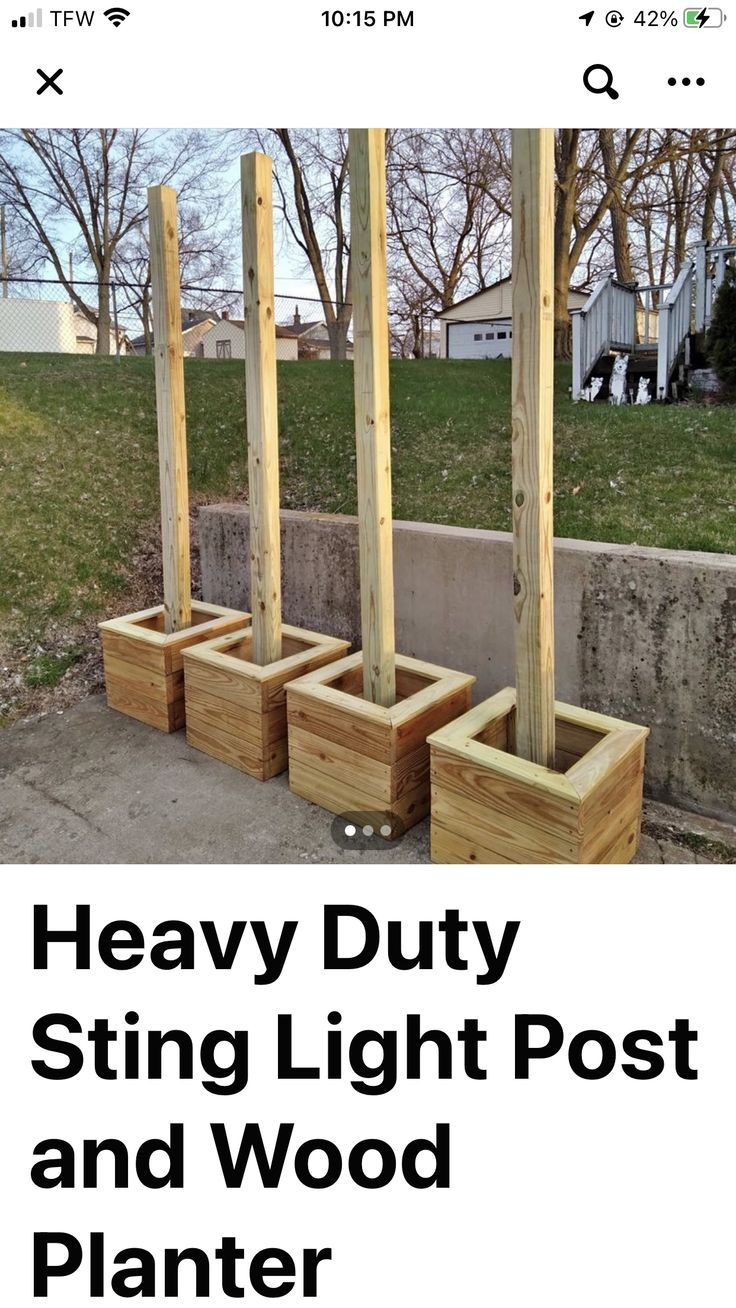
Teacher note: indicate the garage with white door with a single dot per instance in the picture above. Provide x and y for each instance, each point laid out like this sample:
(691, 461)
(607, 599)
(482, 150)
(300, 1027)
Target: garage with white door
(479, 327)
(479, 340)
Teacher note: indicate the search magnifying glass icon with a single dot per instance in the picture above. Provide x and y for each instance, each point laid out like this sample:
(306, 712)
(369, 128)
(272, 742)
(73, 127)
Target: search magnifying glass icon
(607, 88)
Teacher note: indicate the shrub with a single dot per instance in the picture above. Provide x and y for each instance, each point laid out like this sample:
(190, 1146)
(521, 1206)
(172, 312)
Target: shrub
(722, 334)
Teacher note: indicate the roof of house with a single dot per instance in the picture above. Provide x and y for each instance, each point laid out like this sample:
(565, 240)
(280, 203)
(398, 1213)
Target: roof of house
(190, 318)
(281, 332)
(580, 290)
(299, 328)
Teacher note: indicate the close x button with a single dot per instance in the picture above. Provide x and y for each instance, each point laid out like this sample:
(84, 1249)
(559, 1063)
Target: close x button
(49, 81)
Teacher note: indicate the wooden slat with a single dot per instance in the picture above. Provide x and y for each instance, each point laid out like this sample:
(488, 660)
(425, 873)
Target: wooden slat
(145, 680)
(599, 764)
(412, 732)
(340, 795)
(449, 847)
(144, 654)
(274, 687)
(260, 763)
(208, 674)
(170, 410)
(370, 775)
(261, 407)
(477, 720)
(225, 719)
(155, 712)
(514, 839)
(512, 796)
(532, 489)
(316, 712)
(372, 411)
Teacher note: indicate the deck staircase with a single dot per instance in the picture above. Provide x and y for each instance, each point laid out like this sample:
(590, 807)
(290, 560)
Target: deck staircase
(650, 324)
(653, 325)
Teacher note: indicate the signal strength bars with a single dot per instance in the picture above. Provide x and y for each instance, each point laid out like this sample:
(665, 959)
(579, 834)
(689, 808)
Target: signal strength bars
(33, 20)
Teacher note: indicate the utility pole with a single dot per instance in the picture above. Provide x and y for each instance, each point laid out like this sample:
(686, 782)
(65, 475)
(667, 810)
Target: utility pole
(3, 252)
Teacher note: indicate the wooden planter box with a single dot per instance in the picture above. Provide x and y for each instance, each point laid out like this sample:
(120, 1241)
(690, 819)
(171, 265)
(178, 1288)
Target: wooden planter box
(351, 757)
(144, 675)
(488, 806)
(235, 709)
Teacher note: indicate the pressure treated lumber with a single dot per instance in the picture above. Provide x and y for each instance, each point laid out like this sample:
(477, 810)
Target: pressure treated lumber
(490, 806)
(532, 419)
(372, 411)
(170, 410)
(144, 669)
(236, 709)
(356, 758)
(261, 406)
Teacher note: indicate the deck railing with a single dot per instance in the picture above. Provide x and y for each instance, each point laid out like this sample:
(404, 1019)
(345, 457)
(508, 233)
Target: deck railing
(711, 262)
(674, 326)
(607, 322)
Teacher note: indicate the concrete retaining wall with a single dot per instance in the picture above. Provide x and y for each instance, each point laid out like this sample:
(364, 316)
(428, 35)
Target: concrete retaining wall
(643, 634)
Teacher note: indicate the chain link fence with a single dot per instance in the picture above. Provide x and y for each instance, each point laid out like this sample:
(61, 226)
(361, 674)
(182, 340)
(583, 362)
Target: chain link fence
(45, 316)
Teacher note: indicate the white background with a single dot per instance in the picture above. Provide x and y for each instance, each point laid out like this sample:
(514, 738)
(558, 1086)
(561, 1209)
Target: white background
(563, 1191)
(462, 63)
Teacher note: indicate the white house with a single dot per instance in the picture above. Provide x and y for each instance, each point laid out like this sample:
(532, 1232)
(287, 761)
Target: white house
(314, 338)
(226, 340)
(47, 327)
(480, 327)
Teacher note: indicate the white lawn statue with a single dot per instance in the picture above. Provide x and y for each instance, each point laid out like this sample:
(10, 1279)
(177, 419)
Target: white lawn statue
(642, 395)
(617, 394)
(590, 391)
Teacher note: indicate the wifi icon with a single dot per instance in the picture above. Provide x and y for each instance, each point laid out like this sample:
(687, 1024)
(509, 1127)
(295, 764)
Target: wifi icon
(117, 15)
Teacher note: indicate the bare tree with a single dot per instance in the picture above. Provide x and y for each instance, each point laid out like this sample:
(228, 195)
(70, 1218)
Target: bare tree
(312, 196)
(86, 188)
(207, 255)
(449, 208)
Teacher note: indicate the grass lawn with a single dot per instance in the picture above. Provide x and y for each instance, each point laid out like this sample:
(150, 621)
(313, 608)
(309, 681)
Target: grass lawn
(79, 480)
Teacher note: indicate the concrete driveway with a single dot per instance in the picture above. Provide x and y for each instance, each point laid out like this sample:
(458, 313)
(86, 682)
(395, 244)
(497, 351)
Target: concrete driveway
(91, 786)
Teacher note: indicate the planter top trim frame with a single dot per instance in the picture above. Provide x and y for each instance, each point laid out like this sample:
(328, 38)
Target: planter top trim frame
(443, 681)
(217, 652)
(576, 782)
(207, 615)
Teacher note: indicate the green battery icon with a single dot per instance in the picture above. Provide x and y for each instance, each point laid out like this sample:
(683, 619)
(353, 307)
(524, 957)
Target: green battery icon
(704, 17)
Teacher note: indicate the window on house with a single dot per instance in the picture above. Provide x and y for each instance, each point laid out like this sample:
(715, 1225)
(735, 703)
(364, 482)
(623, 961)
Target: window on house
(502, 336)
(490, 336)
(478, 336)
(224, 349)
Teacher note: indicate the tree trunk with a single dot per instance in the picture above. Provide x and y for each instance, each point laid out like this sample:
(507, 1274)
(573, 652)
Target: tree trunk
(619, 220)
(416, 334)
(566, 159)
(103, 314)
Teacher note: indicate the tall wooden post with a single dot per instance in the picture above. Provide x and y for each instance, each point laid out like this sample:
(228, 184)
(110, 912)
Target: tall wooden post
(532, 419)
(170, 410)
(372, 413)
(261, 407)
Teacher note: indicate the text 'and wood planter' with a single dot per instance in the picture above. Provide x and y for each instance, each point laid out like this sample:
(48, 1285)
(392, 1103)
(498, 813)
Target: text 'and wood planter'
(490, 806)
(352, 756)
(236, 709)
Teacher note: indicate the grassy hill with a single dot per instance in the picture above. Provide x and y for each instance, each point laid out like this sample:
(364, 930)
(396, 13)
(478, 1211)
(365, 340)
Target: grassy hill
(79, 480)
